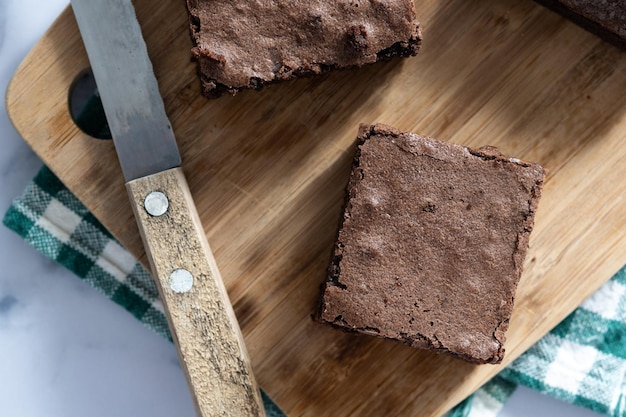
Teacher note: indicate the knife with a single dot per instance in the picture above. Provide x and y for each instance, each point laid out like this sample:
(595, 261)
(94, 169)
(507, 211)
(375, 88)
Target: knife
(199, 313)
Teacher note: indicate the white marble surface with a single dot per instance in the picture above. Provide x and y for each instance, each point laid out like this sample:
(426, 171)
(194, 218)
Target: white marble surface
(65, 350)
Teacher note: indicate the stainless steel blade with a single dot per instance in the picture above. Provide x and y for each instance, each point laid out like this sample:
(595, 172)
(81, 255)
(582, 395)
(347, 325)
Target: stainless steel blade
(142, 133)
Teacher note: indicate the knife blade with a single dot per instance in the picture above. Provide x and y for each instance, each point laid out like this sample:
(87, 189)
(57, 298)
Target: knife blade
(200, 315)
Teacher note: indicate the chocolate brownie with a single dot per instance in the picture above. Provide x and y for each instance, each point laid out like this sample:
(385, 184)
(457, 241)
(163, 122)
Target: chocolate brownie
(606, 18)
(431, 243)
(248, 44)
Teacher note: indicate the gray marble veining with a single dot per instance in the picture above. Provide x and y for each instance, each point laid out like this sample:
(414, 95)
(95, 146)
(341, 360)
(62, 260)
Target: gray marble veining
(7, 303)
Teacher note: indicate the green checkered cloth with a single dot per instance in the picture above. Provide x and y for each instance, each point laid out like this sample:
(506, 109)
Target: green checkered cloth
(582, 361)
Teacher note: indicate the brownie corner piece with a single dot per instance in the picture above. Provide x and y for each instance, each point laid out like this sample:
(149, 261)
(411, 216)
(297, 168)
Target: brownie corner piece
(606, 19)
(431, 243)
(248, 45)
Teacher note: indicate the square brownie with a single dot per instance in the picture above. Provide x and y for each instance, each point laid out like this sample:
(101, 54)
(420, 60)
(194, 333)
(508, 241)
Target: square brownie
(606, 18)
(248, 44)
(431, 243)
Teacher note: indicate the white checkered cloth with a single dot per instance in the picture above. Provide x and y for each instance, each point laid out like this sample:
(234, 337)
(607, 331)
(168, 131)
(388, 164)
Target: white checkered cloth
(581, 361)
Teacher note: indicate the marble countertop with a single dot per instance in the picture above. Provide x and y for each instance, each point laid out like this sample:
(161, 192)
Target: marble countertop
(66, 350)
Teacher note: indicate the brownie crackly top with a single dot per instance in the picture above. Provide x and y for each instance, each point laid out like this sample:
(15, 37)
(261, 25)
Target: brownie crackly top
(245, 44)
(432, 242)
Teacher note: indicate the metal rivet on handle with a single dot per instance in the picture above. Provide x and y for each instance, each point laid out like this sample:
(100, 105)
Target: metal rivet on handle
(181, 281)
(156, 203)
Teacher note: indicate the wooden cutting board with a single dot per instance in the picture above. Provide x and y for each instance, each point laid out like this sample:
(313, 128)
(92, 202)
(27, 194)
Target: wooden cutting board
(268, 170)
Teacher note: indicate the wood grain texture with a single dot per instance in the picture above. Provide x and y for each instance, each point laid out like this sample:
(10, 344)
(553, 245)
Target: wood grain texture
(203, 324)
(268, 169)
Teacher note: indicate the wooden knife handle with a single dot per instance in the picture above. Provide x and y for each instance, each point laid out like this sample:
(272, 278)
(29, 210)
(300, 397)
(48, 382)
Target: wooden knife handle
(201, 318)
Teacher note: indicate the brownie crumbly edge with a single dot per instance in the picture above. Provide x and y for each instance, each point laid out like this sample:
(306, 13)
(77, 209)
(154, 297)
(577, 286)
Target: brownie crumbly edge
(588, 24)
(334, 270)
(212, 88)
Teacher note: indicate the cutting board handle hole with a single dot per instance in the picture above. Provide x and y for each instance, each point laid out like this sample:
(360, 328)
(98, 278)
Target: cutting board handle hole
(86, 108)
